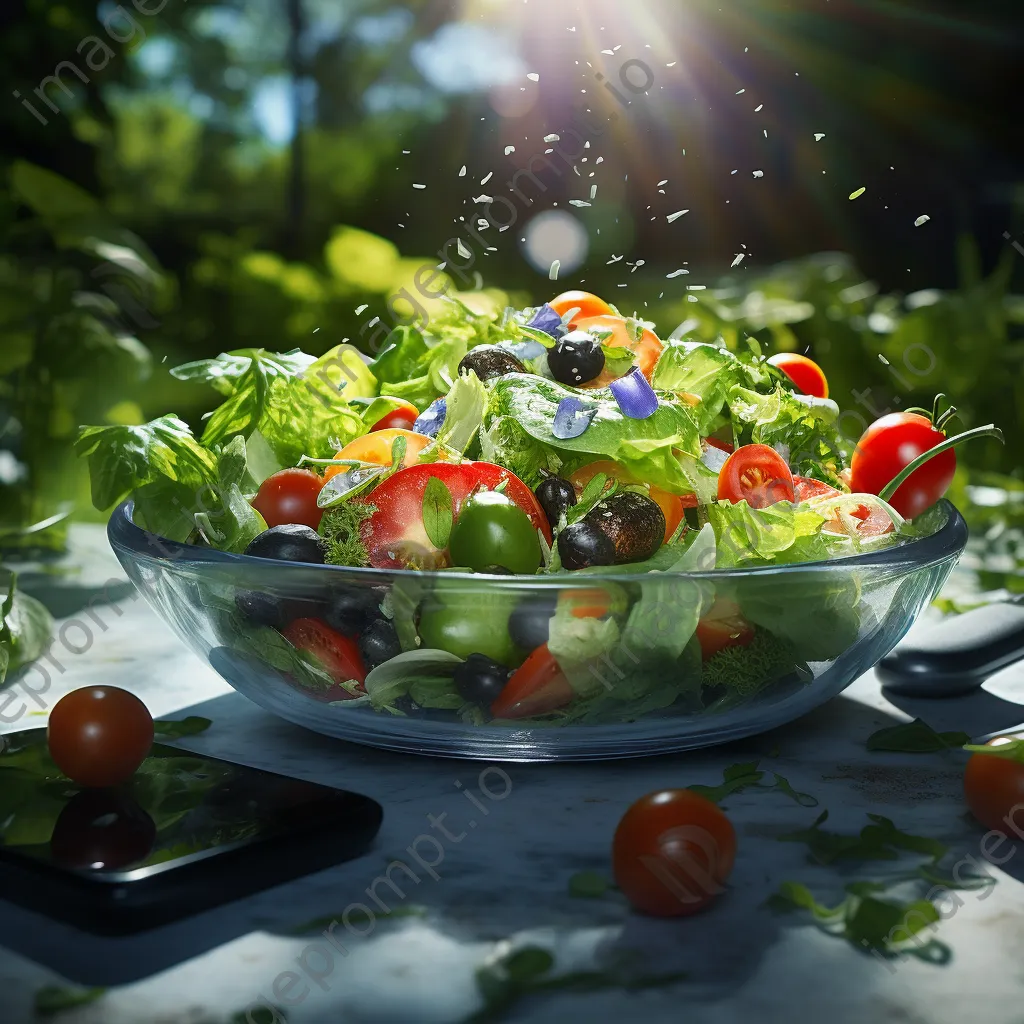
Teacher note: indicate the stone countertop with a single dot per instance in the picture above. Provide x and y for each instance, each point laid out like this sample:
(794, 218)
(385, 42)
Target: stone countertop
(504, 875)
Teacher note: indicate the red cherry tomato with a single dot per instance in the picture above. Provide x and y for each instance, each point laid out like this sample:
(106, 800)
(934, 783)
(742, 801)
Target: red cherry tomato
(587, 303)
(338, 654)
(807, 488)
(395, 536)
(646, 351)
(672, 853)
(671, 505)
(722, 446)
(290, 497)
(722, 627)
(99, 735)
(890, 444)
(994, 789)
(805, 373)
(402, 418)
(757, 474)
(535, 688)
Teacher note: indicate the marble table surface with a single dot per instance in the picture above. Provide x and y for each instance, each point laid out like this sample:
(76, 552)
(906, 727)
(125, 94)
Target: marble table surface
(506, 879)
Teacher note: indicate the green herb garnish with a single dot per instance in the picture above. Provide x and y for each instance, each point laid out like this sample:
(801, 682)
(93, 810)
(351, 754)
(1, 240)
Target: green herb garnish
(437, 513)
(915, 737)
(341, 529)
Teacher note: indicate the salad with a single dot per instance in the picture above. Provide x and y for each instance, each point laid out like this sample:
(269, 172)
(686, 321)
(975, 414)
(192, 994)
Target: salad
(567, 446)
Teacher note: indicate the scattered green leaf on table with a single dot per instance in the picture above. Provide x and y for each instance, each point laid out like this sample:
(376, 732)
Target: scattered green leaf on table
(881, 840)
(191, 726)
(738, 777)
(915, 737)
(588, 885)
(54, 999)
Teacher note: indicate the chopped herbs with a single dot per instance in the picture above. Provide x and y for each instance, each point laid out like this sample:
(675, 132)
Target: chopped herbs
(341, 529)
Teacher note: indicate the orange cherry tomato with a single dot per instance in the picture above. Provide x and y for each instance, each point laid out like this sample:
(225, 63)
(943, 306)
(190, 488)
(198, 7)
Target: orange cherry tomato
(99, 735)
(756, 474)
(994, 790)
(722, 627)
(672, 852)
(403, 418)
(587, 303)
(805, 373)
(646, 351)
(671, 505)
(587, 604)
(536, 687)
(375, 448)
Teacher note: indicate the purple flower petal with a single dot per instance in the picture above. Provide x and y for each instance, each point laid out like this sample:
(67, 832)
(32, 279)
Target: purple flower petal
(635, 397)
(547, 320)
(430, 421)
(572, 417)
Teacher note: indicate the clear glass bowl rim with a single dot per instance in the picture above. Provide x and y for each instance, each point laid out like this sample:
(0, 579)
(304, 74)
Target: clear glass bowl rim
(946, 542)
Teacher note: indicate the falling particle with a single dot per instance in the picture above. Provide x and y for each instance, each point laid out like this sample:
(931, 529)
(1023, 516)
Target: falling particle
(462, 250)
(923, 219)
(406, 152)
(741, 92)
(552, 138)
(593, 191)
(673, 217)
(696, 287)
(660, 183)
(419, 186)
(758, 174)
(462, 173)
(859, 192)
(360, 310)
(599, 160)
(734, 172)
(684, 152)
(758, 108)
(672, 65)
(766, 133)
(509, 150)
(611, 53)
(533, 76)
(738, 260)
(483, 199)
(487, 179)
(553, 272)
(882, 359)
(578, 202)
(676, 273)
(614, 259)
(818, 136)
(745, 48)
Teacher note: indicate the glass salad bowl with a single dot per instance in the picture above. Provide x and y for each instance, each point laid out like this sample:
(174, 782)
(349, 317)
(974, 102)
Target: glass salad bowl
(633, 663)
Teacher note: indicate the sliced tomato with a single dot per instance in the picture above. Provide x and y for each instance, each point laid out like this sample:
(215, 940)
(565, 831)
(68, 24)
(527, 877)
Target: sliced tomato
(402, 418)
(536, 687)
(646, 351)
(339, 655)
(805, 373)
(806, 488)
(722, 446)
(756, 474)
(724, 626)
(376, 448)
(394, 534)
(671, 505)
(871, 521)
(588, 604)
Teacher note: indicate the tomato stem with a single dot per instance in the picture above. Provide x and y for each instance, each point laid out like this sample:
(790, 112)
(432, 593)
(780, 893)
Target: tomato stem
(989, 430)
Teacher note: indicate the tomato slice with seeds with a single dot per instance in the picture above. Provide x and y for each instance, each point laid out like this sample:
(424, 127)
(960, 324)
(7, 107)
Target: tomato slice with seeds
(756, 474)
(807, 488)
(394, 534)
(536, 687)
(805, 373)
(724, 626)
(338, 654)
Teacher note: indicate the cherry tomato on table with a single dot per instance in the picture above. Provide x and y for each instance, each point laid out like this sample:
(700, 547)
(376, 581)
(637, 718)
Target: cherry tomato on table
(395, 536)
(671, 505)
(289, 498)
(338, 654)
(672, 852)
(99, 735)
(757, 474)
(892, 443)
(402, 418)
(723, 626)
(994, 786)
(376, 448)
(646, 350)
(587, 303)
(805, 373)
(535, 688)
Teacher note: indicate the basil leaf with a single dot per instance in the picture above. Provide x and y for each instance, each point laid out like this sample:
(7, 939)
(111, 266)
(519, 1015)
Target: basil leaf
(916, 737)
(437, 512)
(191, 726)
(881, 840)
(589, 885)
(54, 999)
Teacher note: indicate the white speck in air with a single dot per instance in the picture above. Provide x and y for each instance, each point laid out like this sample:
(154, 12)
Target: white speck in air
(923, 219)
(673, 217)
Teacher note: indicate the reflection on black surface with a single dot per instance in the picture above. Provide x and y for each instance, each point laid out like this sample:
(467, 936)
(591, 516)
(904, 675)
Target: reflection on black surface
(102, 830)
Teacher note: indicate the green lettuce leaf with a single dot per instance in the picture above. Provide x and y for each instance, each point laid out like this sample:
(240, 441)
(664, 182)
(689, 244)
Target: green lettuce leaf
(26, 628)
(780, 533)
(464, 412)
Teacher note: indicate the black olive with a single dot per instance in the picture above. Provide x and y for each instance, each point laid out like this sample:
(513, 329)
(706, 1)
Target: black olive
(627, 527)
(530, 622)
(480, 679)
(556, 496)
(576, 359)
(266, 609)
(379, 643)
(488, 361)
(291, 543)
(584, 544)
(351, 609)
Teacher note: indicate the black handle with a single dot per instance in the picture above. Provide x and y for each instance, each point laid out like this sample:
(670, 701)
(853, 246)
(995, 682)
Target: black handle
(958, 654)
